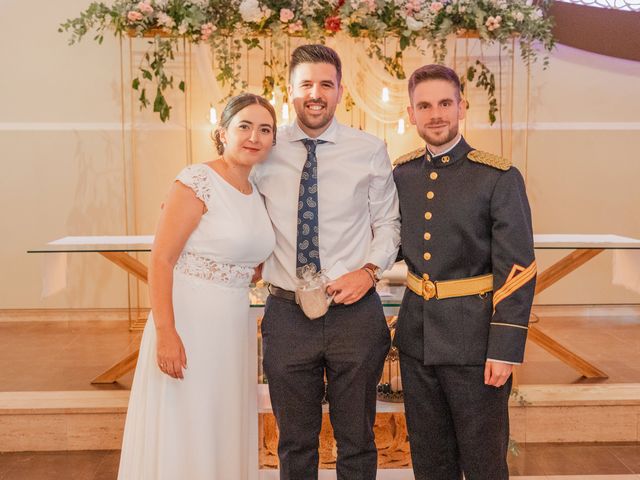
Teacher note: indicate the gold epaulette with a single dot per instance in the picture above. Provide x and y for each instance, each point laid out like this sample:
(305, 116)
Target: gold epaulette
(407, 157)
(490, 159)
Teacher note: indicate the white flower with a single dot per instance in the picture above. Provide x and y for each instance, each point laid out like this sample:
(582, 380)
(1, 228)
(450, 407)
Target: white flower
(182, 29)
(250, 11)
(449, 9)
(519, 16)
(493, 23)
(462, 9)
(413, 24)
(165, 20)
(537, 13)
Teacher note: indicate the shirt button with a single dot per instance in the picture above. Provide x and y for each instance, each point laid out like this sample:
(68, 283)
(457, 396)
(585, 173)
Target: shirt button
(428, 215)
(425, 276)
(427, 256)
(430, 195)
(433, 175)
(427, 236)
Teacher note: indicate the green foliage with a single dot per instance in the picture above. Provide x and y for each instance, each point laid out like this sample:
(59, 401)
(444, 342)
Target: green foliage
(231, 27)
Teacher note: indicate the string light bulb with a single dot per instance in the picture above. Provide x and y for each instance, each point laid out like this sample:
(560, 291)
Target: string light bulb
(213, 116)
(285, 111)
(401, 126)
(385, 94)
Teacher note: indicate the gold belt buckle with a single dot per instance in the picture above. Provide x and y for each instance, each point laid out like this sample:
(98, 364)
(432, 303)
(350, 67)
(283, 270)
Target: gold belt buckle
(428, 288)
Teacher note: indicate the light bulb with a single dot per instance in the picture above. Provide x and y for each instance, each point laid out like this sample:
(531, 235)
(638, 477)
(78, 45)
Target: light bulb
(285, 111)
(273, 99)
(401, 126)
(213, 116)
(385, 94)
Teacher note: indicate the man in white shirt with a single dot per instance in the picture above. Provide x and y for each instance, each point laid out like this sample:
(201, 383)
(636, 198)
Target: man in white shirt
(330, 194)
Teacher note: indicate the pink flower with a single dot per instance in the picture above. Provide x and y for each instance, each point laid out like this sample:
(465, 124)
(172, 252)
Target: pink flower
(134, 16)
(206, 30)
(145, 7)
(371, 4)
(413, 6)
(332, 24)
(286, 15)
(296, 27)
(435, 7)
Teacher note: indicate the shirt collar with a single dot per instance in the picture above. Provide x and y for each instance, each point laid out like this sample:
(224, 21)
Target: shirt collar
(451, 155)
(447, 150)
(329, 135)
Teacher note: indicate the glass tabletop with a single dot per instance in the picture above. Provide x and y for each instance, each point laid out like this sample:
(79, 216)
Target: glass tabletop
(108, 243)
(142, 243)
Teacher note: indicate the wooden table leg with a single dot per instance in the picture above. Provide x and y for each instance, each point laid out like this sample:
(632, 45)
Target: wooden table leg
(564, 267)
(129, 264)
(550, 276)
(116, 371)
(139, 270)
(564, 354)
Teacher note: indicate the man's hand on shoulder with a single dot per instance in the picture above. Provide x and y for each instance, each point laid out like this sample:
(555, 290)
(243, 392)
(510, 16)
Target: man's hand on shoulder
(350, 287)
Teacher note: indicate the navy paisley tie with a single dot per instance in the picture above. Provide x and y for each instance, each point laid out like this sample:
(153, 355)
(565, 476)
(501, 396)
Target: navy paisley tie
(308, 245)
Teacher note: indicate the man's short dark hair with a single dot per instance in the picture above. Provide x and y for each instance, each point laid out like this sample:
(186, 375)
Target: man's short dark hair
(315, 53)
(434, 72)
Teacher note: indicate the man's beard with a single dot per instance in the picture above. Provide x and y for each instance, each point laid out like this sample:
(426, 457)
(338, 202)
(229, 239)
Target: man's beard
(437, 141)
(317, 122)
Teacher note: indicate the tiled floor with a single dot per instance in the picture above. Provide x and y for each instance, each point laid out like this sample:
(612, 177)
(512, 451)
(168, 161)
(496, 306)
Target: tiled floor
(67, 355)
(539, 461)
(61, 355)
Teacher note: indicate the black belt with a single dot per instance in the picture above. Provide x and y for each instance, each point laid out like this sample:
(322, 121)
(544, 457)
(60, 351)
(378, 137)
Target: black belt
(282, 293)
(291, 296)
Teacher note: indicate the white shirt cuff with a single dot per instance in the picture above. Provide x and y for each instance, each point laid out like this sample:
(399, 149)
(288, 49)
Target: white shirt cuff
(503, 361)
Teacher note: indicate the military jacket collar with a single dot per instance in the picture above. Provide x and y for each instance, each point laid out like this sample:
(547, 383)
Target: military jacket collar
(450, 157)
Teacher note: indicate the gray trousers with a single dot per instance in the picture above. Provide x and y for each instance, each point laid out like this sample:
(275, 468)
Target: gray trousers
(349, 344)
(456, 423)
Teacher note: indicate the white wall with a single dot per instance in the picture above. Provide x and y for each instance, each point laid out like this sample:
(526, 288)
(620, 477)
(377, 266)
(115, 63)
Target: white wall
(67, 162)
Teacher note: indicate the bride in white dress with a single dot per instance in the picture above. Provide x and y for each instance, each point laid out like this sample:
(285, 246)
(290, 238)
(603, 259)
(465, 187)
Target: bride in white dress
(193, 407)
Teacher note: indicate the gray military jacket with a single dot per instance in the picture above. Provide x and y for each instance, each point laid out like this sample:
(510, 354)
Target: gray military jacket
(465, 213)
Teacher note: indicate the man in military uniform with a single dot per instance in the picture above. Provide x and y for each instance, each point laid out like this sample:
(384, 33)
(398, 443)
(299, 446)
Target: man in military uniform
(467, 240)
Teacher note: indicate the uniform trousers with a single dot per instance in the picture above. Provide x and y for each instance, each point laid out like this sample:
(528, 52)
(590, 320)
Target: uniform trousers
(456, 423)
(348, 345)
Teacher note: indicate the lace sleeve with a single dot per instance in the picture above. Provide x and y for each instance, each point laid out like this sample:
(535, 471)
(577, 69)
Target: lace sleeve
(197, 179)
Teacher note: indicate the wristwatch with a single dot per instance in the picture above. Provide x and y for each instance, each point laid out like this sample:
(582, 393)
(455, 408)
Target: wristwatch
(374, 270)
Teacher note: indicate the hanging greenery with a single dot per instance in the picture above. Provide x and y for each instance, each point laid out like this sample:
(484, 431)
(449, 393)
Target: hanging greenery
(231, 26)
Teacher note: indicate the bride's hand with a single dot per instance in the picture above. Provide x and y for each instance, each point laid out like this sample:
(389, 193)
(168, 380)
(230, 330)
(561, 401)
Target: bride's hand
(170, 353)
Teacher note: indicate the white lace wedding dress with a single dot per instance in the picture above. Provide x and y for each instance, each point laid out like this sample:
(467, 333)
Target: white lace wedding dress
(205, 426)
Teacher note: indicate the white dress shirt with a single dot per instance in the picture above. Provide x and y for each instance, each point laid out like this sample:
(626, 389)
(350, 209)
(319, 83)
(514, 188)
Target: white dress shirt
(358, 212)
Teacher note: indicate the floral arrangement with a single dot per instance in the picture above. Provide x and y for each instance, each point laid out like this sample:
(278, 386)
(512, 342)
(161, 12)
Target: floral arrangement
(230, 26)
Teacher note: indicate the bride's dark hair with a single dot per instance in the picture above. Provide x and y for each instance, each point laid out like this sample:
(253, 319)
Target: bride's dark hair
(233, 106)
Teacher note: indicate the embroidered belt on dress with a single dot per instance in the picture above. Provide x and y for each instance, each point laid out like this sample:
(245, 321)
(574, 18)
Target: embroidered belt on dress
(206, 268)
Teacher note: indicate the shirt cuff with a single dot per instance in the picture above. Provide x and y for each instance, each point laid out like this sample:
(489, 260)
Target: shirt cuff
(503, 361)
(380, 259)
